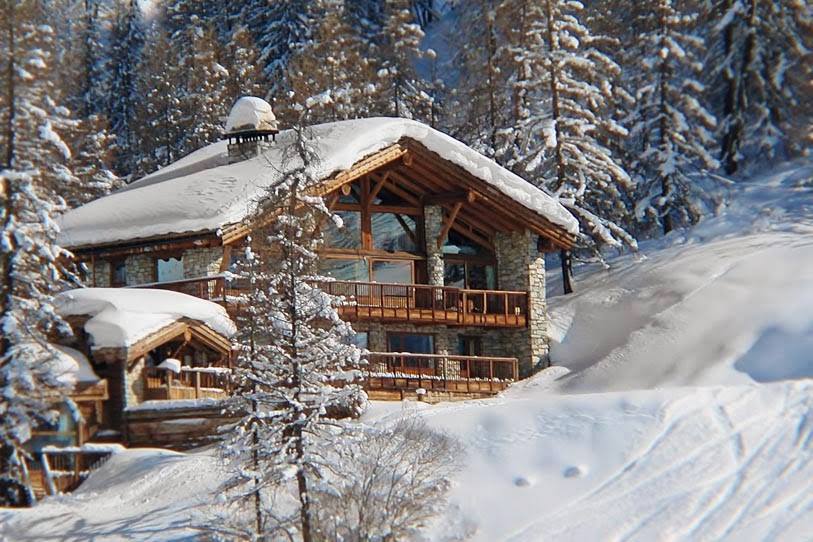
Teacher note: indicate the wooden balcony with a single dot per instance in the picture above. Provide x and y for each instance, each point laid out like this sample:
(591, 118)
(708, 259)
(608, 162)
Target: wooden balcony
(425, 304)
(412, 303)
(439, 372)
(190, 383)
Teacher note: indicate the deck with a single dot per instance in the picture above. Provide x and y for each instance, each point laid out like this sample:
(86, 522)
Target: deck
(395, 303)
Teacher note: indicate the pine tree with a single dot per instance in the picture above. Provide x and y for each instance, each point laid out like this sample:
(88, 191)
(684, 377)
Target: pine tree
(402, 91)
(330, 73)
(280, 28)
(480, 100)
(295, 351)
(32, 157)
(761, 68)
(567, 117)
(241, 60)
(127, 44)
(158, 114)
(672, 122)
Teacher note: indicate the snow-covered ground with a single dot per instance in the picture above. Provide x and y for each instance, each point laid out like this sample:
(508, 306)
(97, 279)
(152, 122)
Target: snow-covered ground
(680, 408)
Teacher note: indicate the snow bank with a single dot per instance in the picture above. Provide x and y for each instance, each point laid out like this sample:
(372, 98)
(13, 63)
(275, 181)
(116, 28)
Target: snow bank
(725, 463)
(120, 317)
(728, 302)
(202, 192)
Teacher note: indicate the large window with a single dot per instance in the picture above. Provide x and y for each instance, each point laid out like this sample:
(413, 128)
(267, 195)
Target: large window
(345, 269)
(471, 275)
(394, 232)
(415, 343)
(169, 269)
(349, 235)
(392, 271)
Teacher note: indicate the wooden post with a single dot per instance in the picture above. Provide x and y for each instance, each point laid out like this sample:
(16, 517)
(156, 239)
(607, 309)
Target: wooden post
(491, 375)
(468, 375)
(567, 270)
(197, 385)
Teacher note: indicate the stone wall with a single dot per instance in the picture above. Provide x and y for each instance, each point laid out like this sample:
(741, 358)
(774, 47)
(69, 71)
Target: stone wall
(140, 269)
(522, 267)
(101, 274)
(202, 262)
(433, 224)
(134, 383)
(197, 262)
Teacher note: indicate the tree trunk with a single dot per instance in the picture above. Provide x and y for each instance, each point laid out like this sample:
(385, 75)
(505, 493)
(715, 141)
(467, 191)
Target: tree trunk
(10, 82)
(554, 93)
(567, 270)
(664, 143)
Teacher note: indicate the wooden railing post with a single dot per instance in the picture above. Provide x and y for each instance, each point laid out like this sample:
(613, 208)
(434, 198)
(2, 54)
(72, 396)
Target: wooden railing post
(197, 385)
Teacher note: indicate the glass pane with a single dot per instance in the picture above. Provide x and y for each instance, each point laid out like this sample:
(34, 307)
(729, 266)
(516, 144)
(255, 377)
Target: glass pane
(339, 269)
(414, 343)
(360, 339)
(392, 272)
(349, 235)
(454, 275)
(170, 269)
(390, 232)
(458, 244)
(481, 277)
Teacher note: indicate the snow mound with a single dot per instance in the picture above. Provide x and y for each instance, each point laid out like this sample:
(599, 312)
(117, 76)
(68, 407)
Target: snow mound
(692, 464)
(203, 192)
(120, 317)
(73, 366)
(727, 302)
(251, 113)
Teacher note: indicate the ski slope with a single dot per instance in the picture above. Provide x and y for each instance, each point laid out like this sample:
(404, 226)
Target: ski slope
(681, 407)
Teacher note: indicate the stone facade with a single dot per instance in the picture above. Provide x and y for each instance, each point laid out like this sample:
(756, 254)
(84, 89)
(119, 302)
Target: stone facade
(433, 225)
(202, 262)
(134, 383)
(141, 268)
(522, 267)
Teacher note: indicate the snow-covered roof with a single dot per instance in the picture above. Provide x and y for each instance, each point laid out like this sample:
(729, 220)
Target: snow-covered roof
(73, 366)
(202, 192)
(120, 317)
(251, 113)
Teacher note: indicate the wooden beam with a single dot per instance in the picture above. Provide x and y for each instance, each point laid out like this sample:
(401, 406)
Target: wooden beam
(378, 186)
(464, 196)
(449, 222)
(400, 209)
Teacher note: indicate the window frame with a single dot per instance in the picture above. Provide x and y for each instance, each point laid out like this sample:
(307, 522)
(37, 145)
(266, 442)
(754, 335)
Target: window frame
(114, 262)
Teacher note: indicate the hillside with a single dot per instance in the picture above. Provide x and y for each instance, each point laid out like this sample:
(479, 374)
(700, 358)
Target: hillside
(679, 408)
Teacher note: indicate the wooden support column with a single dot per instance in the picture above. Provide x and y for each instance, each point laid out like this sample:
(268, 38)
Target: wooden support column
(567, 270)
(449, 223)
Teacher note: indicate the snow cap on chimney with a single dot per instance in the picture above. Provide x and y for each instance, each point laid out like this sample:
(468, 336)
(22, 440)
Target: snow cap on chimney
(251, 121)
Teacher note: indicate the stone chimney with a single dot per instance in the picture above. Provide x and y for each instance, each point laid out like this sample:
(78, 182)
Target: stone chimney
(251, 122)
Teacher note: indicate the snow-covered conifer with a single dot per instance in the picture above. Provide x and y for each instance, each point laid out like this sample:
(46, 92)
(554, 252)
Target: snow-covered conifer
(402, 92)
(560, 136)
(759, 71)
(673, 125)
(31, 166)
(126, 47)
(296, 362)
(330, 73)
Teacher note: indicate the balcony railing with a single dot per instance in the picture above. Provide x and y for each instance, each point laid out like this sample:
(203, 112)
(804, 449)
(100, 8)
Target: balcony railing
(213, 288)
(190, 383)
(422, 303)
(416, 303)
(404, 370)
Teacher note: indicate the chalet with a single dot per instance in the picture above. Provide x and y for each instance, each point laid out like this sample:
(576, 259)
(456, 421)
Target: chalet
(440, 259)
